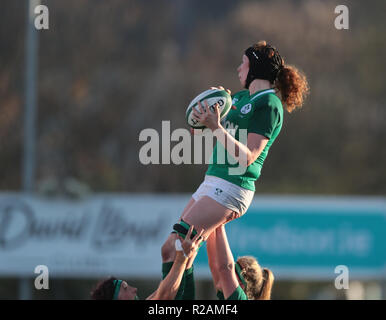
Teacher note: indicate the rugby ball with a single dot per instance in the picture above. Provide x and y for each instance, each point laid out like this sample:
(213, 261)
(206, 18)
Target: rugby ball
(212, 96)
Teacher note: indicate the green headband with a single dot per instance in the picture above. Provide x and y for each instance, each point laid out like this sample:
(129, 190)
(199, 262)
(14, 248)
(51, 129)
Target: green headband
(238, 271)
(117, 284)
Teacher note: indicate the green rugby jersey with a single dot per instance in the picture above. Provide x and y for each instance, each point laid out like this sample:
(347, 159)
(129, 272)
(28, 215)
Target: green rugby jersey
(260, 113)
(238, 294)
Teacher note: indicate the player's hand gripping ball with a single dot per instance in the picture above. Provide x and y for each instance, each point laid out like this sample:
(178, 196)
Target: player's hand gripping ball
(212, 96)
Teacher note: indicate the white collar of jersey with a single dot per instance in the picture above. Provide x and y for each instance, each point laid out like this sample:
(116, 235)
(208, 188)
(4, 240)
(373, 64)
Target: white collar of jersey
(263, 92)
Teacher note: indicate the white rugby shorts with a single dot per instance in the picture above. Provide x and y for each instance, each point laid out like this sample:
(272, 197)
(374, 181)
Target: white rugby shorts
(226, 193)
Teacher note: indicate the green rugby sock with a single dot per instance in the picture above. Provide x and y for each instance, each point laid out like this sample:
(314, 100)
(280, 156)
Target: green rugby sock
(166, 267)
(182, 229)
(190, 289)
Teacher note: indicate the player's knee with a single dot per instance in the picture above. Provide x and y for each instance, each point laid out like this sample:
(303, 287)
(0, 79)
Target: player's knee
(182, 229)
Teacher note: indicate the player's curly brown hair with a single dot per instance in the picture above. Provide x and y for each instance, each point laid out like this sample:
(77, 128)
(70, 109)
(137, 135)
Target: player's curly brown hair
(293, 87)
(259, 280)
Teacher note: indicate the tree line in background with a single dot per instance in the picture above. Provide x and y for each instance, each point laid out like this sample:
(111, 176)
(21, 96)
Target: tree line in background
(108, 70)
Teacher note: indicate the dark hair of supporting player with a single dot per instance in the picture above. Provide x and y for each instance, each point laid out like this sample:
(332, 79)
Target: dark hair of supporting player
(104, 290)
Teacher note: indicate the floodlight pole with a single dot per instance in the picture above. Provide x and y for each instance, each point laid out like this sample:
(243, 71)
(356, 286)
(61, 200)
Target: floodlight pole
(31, 65)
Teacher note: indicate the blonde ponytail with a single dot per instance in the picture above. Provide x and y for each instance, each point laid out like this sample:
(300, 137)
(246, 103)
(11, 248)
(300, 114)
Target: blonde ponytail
(266, 287)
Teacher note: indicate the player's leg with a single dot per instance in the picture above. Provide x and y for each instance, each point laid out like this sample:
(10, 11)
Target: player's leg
(207, 214)
(189, 292)
(167, 252)
(167, 263)
(217, 201)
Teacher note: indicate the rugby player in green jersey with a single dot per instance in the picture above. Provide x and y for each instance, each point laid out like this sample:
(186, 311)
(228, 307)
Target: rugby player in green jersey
(172, 285)
(244, 279)
(227, 191)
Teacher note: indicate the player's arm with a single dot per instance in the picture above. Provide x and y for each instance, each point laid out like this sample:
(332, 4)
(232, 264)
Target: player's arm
(256, 144)
(168, 287)
(212, 260)
(261, 127)
(225, 261)
(246, 154)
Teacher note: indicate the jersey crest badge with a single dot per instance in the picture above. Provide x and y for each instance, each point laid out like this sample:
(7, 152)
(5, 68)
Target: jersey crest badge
(245, 109)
